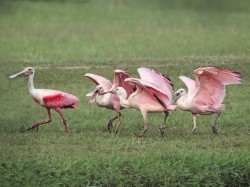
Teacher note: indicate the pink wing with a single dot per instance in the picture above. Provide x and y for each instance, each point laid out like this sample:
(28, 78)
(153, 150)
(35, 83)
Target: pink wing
(189, 83)
(119, 77)
(152, 90)
(225, 76)
(160, 81)
(211, 84)
(55, 99)
(99, 80)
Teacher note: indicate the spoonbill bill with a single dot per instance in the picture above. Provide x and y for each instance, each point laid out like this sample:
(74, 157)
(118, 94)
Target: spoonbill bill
(50, 99)
(109, 101)
(153, 94)
(206, 93)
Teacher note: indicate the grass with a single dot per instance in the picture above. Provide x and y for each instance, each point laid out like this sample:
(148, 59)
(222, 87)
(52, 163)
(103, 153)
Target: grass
(107, 32)
(173, 37)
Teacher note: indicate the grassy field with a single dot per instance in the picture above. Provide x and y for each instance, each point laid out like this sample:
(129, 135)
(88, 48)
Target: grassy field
(175, 37)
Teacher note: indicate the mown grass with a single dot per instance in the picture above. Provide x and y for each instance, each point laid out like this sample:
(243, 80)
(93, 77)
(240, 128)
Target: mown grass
(173, 37)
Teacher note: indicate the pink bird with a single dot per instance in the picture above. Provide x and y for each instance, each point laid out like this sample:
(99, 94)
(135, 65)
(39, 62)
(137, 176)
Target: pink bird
(206, 94)
(109, 101)
(153, 94)
(50, 99)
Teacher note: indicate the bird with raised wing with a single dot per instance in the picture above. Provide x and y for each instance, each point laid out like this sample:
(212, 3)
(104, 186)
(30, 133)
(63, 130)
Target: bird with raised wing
(109, 101)
(50, 99)
(153, 94)
(206, 93)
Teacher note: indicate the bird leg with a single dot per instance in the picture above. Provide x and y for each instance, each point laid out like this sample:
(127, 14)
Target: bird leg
(162, 127)
(36, 125)
(195, 126)
(145, 124)
(119, 122)
(110, 124)
(58, 110)
(214, 129)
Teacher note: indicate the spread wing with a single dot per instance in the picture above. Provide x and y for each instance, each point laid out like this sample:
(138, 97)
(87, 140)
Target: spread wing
(160, 83)
(152, 91)
(99, 80)
(119, 77)
(211, 84)
(189, 83)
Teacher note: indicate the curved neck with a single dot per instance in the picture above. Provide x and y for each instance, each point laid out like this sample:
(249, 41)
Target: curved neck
(181, 99)
(30, 83)
(123, 100)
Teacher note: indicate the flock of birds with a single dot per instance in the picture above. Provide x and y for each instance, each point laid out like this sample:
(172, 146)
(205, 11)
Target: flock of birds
(151, 93)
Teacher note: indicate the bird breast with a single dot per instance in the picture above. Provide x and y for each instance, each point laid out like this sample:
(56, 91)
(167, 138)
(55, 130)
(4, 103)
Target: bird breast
(185, 103)
(104, 100)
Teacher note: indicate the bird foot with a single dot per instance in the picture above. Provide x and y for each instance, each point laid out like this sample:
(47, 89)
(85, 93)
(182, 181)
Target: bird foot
(162, 131)
(110, 126)
(32, 128)
(191, 132)
(117, 131)
(67, 130)
(143, 132)
(214, 130)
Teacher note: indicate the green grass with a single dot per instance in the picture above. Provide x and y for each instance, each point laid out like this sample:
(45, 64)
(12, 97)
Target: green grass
(107, 32)
(173, 37)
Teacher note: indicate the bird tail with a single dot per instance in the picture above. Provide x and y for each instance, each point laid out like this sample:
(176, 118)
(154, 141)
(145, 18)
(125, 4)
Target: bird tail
(71, 106)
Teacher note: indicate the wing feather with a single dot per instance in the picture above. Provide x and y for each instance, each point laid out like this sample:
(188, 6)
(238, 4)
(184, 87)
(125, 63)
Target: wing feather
(189, 83)
(211, 84)
(54, 99)
(99, 80)
(119, 77)
(152, 91)
(160, 82)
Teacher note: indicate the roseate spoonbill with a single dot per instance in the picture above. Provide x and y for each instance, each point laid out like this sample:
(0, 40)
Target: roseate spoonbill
(50, 99)
(206, 93)
(109, 101)
(153, 94)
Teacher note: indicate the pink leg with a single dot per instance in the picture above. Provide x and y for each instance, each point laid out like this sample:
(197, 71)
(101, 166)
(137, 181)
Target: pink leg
(162, 127)
(119, 122)
(195, 126)
(144, 114)
(64, 121)
(36, 125)
(110, 123)
(214, 129)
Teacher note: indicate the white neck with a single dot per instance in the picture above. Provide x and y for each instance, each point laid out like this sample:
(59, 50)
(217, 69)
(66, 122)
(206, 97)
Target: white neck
(123, 100)
(181, 99)
(30, 83)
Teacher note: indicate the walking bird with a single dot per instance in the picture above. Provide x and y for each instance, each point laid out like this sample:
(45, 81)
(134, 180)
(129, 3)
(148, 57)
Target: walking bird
(153, 94)
(109, 101)
(206, 93)
(50, 99)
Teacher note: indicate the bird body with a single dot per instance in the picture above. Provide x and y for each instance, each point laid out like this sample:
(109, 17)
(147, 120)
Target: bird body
(109, 100)
(54, 99)
(153, 94)
(207, 92)
(50, 99)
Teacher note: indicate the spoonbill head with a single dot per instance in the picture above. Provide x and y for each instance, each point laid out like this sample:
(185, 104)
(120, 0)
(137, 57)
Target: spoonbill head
(180, 92)
(95, 93)
(26, 71)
